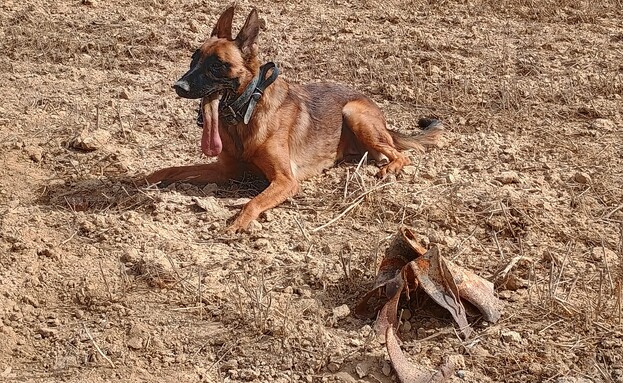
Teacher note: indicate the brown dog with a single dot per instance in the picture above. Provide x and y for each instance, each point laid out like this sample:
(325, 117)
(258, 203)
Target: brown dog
(254, 121)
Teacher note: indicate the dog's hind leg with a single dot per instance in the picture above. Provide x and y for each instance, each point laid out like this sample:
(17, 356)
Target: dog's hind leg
(366, 121)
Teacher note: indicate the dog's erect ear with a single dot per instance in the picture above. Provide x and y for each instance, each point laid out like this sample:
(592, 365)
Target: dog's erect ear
(248, 34)
(222, 29)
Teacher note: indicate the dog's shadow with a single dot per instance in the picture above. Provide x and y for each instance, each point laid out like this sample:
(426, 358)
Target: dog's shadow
(132, 193)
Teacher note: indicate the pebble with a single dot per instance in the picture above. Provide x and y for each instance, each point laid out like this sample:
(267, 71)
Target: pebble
(508, 177)
(509, 336)
(603, 124)
(386, 369)
(90, 141)
(135, 343)
(333, 367)
(341, 312)
(47, 332)
(406, 326)
(601, 254)
(255, 227)
(406, 314)
(34, 153)
(582, 178)
(362, 369)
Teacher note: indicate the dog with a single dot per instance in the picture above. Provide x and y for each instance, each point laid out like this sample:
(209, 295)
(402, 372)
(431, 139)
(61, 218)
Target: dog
(256, 122)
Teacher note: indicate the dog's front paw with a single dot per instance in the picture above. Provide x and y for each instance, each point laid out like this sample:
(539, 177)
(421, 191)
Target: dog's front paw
(238, 226)
(161, 177)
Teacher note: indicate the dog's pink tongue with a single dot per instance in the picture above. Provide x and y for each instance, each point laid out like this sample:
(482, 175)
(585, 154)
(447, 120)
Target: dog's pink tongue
(211, 144)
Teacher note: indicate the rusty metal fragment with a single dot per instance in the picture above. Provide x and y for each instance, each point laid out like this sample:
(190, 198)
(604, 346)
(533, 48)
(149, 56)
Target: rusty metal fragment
(408, 266)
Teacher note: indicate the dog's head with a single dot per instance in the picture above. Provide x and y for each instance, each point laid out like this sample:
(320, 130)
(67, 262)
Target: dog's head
(222, 63)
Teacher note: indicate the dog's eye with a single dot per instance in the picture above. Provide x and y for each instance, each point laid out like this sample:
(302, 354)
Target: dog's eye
(217, 67)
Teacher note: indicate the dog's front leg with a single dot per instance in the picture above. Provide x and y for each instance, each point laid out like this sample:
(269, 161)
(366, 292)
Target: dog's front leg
(283, 185)
(278, 191)
(217, 172)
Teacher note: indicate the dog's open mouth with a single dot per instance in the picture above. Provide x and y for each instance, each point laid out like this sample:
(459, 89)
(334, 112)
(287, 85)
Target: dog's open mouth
(211, 144)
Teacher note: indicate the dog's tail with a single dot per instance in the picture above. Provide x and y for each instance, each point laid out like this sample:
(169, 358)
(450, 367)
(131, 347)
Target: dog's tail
(432, 132)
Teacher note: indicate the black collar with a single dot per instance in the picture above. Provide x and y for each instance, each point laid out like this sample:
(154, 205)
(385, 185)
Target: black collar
(241, 109)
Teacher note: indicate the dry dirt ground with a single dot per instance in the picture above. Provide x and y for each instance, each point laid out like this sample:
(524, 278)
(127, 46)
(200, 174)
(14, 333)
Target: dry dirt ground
(530, 178)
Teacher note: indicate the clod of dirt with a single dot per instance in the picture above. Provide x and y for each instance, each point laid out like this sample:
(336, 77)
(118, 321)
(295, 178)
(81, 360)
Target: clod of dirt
(508, 177)
(156, 269)
(34, 153)
(90, 141)
(509, 336)
(211, 206)
(582, 178)
(341, 312)
(135, 343)
(47, 332)
(363, 368)
(602, 254)
(603, 125)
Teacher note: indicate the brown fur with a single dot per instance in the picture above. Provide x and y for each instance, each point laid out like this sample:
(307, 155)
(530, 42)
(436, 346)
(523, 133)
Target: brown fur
(296, 131)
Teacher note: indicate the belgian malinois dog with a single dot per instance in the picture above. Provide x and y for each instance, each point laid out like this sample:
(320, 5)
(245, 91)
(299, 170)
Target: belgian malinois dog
(256, 122)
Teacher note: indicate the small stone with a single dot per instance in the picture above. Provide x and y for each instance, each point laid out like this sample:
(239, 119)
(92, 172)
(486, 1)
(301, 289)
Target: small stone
(386, 369)
(601, 254)
(249, 374)
(47, 332)
(508, 177)
(269, 216)
(509, 336)
(34, 153)
(456, 361)
(263, 23)
(460, 374)
(255, 227)
(88, 2)
(603, 124)
(193, 26)
(261, 243)
(231, 364)
(31, 301)
(90, 141)
(452, 176)
(535, 368)
(362, 369)
(333, 367)
(406, 314)
(515, 283)
(356, 342)
(421, 333)
(582, 178)
(211, 206)
(341, 312)
(135, 343)
(131, 255)
(409, 170)
(406, 326)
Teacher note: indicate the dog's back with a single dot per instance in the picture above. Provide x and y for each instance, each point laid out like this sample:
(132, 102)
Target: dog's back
(323, 133)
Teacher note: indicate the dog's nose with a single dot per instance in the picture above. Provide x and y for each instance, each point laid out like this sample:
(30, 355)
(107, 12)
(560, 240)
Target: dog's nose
(182, 84)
